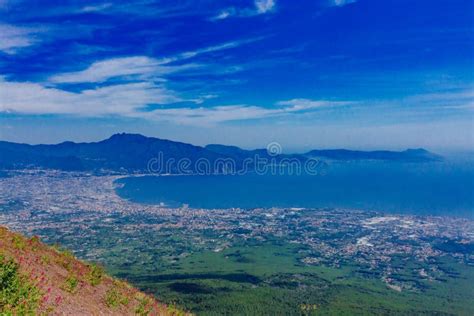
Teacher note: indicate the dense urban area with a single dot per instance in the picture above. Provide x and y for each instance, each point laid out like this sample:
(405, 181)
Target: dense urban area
(169, 251)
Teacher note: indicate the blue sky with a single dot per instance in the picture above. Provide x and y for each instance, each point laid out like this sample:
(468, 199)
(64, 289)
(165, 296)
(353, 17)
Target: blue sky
(308, 74)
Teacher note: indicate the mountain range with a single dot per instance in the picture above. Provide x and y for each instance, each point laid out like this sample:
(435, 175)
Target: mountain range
(128, 153)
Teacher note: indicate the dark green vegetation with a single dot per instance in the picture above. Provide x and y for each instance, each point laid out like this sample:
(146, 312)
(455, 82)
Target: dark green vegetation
(271, 261)
(261, 277)
(267, 279)
(18, 296)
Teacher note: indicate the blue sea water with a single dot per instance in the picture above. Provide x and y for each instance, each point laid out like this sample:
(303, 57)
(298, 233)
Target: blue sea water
(422, 189)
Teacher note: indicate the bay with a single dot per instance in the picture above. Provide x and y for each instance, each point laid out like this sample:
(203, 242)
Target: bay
(419, 189)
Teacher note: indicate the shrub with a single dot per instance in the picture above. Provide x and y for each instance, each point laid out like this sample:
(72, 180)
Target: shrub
(65, 258)
(71, 284)
(95, 274)
(144, 307)
(18, 242)
(34, 242)
(114, 298)
(17, 295)
(45, 259)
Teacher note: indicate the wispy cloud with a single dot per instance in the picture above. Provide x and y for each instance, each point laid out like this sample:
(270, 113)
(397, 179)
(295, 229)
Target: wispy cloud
(227, 113)
(260, 7)
(13, 38)
(218, 114)
(459, 99)
(140, 67)
(215, 48)
(204, 116)
(140, 100)
(131, 85)
(307, 104)
(96, 8)
(131, 100)
(211, 115)
(121, 100)
(137, 67)
(340, 3)
(450, 98)
(264, 6)
(224, 14)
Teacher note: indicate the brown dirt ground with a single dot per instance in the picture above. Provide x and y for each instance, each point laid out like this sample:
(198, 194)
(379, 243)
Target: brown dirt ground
(49, 269)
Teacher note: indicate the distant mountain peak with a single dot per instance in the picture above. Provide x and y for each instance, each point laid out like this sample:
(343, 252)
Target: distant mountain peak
(417, 150)
(128, 137)
(128, 152)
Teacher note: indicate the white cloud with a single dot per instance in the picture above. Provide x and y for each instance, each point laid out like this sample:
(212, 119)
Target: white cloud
(307, 104)
(210, 49)
(219, 114)
(122, 99)
(140, 67)
(96, 8)
(129, 100)
(260, 7)
(340, 3)
(212, 115)
(447, 98)
(146, 87)
(224, 14)
(264, 6)
(13, 38)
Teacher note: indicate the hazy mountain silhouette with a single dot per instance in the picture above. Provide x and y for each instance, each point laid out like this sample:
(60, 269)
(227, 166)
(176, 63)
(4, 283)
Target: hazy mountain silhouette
(133, 152)
(409, 155)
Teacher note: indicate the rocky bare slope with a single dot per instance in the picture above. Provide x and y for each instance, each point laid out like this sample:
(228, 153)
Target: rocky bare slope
(36, 279)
